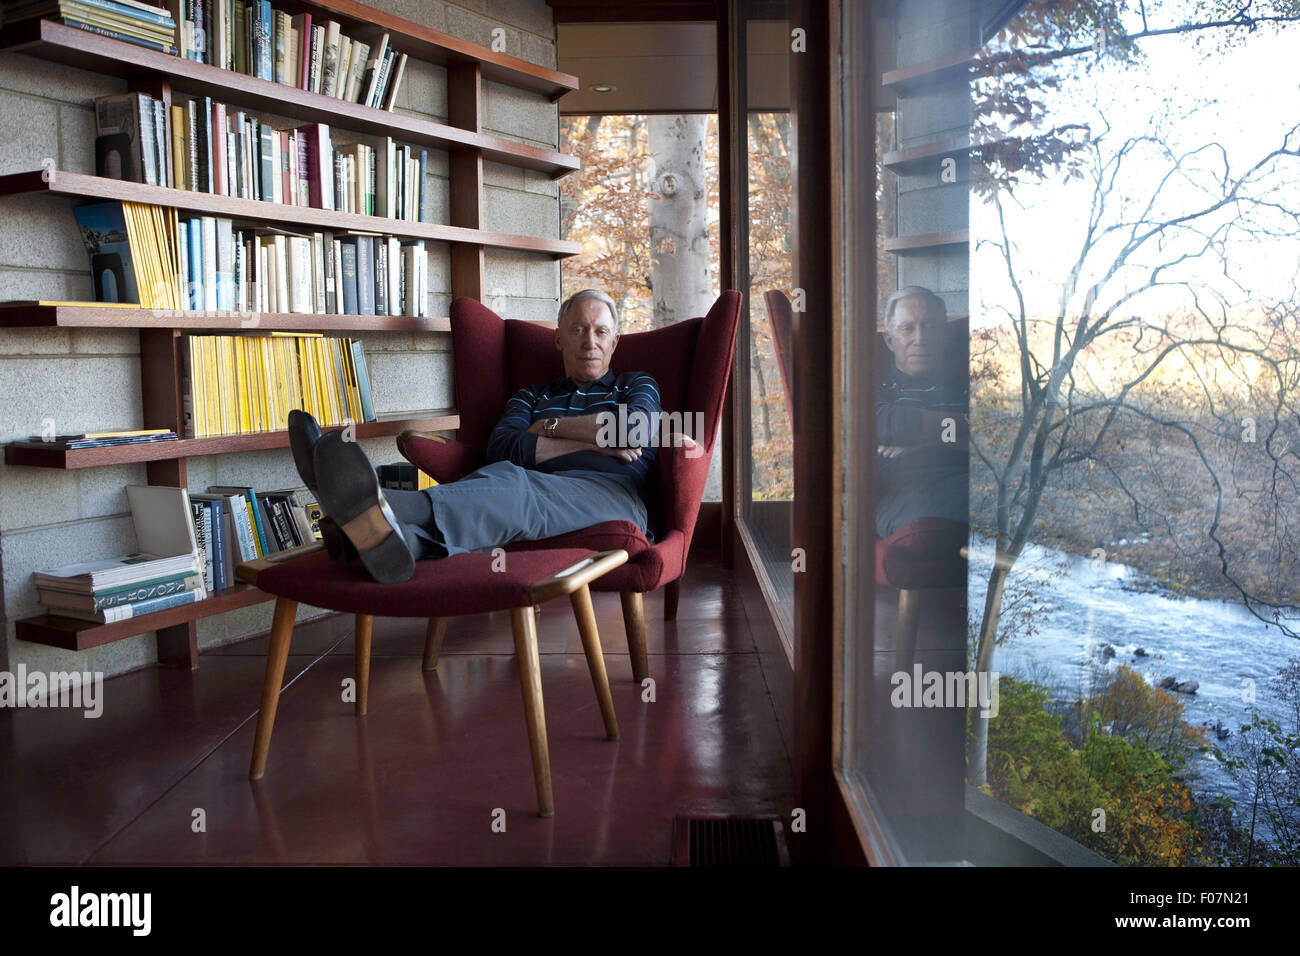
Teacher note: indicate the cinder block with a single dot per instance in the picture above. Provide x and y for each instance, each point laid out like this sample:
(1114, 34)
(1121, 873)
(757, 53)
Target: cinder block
(539, 50)
(25, 74)
(25, 283)
(532, 310)
(934, 113)
(922, 270)
(520, 114)
(424, 90)
(439, 272)
(505, 274)
(410, 381)
(543, 279)
(116, 342)
(501, 176)
(101, 489)
(30, 498)
(439, 198)
(29, 341)
(79, 395)
(933, 40)
(521, 213)
(477, 29)
(31, 128)
(938, 209)
(76, 139)
(41, 233)
(541, 184)
(431, 15)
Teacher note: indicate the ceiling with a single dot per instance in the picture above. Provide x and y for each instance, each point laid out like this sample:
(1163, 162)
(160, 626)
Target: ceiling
(666, 67)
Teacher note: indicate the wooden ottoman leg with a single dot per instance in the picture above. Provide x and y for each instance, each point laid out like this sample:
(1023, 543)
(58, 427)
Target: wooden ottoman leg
(530, 682)
(364, 627)
(433, 642)
(586, 615)
(276, 656)
(909, 622)
(634, 624)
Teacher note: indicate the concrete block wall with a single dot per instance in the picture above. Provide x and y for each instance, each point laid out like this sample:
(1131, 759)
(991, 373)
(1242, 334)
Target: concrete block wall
(90, 379)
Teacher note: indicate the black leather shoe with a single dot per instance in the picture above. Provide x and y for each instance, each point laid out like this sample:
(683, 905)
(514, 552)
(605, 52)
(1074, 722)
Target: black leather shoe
(349, 492)
(337, 545)
(304, 433)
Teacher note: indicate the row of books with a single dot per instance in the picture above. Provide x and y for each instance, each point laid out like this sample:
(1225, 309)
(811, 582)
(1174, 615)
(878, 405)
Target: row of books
(109, 439)
(140, 23)
(274, 270)
(254, 38)
(238, 384)
(148, 255)
(134, 253)
(235, 523)
(204, 146)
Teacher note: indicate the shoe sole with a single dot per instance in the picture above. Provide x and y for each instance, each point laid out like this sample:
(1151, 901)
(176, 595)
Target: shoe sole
(350, 494)
(302, 445)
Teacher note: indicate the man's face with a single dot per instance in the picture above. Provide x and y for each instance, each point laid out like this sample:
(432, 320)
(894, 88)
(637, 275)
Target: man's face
(586, 340)
(915, 336)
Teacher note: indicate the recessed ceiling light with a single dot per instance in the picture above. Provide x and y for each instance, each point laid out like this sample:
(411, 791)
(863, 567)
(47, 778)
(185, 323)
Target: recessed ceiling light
(603, 88)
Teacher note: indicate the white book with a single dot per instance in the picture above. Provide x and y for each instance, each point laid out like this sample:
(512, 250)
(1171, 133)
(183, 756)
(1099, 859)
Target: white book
(374, 67)
(317, 59)
(164, 524)
(281, 250)
(318, 272)
(343, 69)
(356, 70)
(209, 227)
(397, 80)
(394, 276)
(329, 58)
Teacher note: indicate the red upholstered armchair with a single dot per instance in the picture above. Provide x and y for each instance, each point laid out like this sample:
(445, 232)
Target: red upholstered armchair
(690, 360)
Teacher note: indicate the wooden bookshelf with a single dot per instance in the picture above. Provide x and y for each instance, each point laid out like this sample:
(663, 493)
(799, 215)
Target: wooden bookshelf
(927, 242)
(38, 454)
(35, 315)
(58, 183)
(915, 159)
(468, 68)
(908, 80)
(69, 46)
(72, 634)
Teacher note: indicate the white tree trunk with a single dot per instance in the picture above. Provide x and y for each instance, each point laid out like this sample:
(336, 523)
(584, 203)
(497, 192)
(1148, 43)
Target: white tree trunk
(679, 223)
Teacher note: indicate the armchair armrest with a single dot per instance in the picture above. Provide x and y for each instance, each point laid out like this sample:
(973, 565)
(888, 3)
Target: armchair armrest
(684, 471)
(443, 459)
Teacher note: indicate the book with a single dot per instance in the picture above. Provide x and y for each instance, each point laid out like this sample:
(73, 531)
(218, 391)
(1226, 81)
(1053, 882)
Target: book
(106, 573)
(123, 612)
(365, 275)
(261, 538)
(112, 267)
(111, 597)
(120, 143)
(161, 516)
(348, 247)
(398, 70)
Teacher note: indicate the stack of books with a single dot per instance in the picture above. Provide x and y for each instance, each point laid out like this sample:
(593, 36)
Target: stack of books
(235, 523)
(254, 38)
(137, 436)
(140, 23)
(134, 253)
(131, 138)
(164, 572)
(239, 384)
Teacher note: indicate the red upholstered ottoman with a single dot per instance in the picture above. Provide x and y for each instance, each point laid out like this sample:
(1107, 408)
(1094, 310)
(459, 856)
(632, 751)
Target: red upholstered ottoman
(448, 587)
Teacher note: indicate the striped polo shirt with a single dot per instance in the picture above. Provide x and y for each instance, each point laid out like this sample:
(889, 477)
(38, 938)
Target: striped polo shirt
(565, 398)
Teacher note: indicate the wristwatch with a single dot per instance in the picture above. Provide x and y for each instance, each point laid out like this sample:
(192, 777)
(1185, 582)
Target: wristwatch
(549, 426)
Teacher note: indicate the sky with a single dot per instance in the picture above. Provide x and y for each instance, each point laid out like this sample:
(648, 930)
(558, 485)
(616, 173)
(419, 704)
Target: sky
(1245, 99)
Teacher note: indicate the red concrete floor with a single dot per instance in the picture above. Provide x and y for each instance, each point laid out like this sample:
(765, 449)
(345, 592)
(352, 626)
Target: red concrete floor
(420, 779)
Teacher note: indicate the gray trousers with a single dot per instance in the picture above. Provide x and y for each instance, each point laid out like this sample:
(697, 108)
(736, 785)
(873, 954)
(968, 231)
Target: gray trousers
(502, 502)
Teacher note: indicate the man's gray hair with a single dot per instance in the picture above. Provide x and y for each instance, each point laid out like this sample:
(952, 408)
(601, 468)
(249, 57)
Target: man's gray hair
(589, 294)
(932, 301)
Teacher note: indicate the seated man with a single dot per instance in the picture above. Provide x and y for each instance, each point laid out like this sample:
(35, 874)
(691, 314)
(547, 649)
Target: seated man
(921, 424)
(549, 473)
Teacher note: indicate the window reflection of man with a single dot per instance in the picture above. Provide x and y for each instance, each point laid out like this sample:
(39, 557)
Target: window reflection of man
(921, 423)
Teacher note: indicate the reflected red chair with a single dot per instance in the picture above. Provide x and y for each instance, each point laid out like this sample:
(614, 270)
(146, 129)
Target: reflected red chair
(493, 358)
(780, 316)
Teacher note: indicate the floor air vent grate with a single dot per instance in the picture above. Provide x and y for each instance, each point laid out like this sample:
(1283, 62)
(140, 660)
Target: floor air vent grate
(729, 842)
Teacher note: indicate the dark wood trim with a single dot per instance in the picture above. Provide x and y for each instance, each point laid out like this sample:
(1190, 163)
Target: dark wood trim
(93, 315)
(729, 221)
(930, 240)
(74, 635)
(40, 455)
(69, 46)
(814, 482)
(639, 11)
(80, 185)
